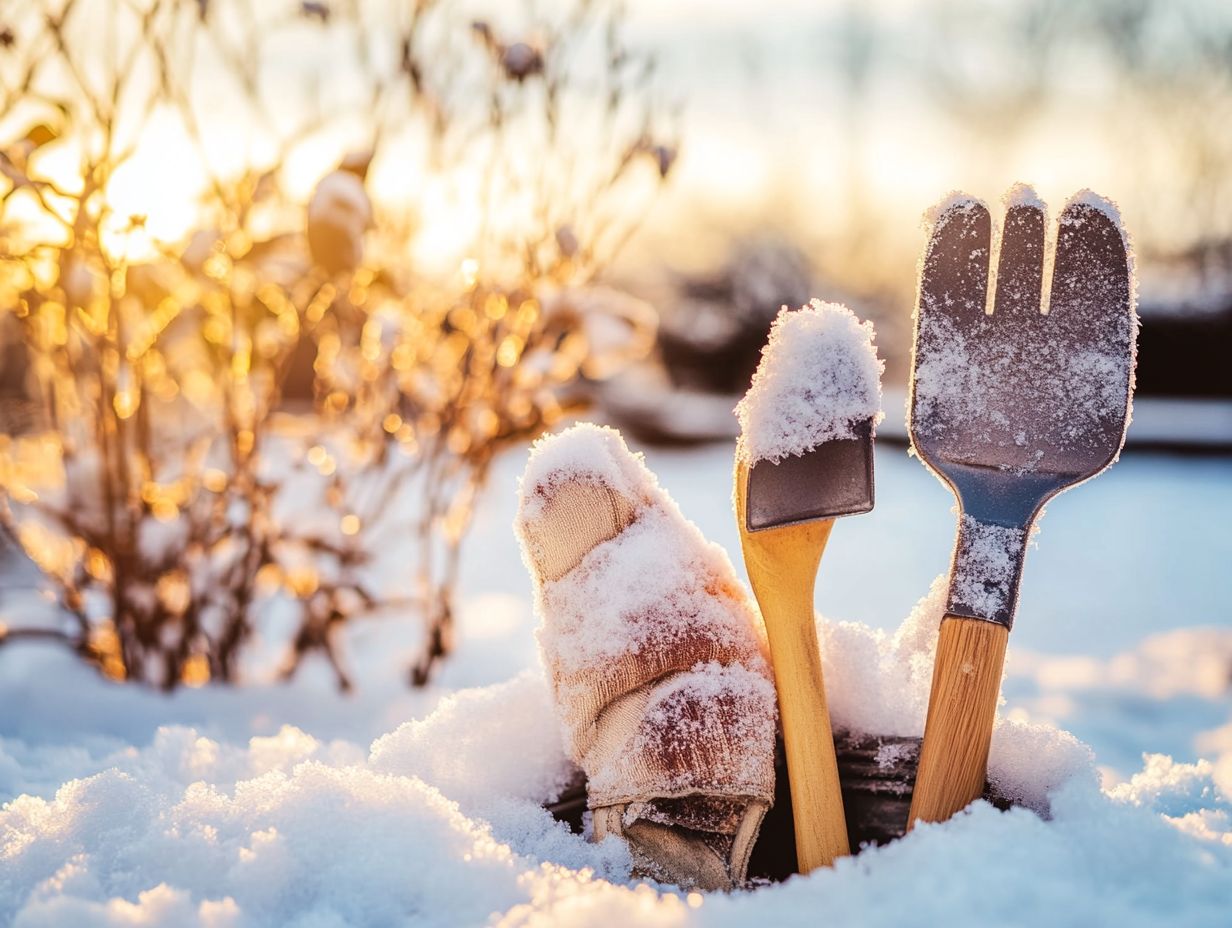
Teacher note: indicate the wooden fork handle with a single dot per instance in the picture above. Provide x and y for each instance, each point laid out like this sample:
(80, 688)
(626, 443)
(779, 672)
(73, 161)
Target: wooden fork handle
(961, 708)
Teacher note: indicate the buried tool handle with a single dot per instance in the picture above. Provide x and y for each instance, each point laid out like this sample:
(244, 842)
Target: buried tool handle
(812, 766)
(782, 567)
(961, 708)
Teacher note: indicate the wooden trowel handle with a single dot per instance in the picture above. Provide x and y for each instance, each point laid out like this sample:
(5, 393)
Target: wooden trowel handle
(782, 565)
(782, 568)
(961, 708)
(816, 798)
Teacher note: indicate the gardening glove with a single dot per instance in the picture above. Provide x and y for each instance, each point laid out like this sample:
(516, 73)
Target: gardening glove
(656, 658)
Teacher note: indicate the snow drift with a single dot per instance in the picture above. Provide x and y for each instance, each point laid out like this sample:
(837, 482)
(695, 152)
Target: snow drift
(441, 823)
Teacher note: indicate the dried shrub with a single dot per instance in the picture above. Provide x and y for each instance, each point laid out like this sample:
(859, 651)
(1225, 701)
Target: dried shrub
(275, 412)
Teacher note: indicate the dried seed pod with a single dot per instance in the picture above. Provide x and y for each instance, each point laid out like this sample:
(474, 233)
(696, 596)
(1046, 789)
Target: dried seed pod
(521, 61)
(338, 215)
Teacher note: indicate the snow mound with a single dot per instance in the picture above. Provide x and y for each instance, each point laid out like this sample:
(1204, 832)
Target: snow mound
(398, 839)
(286, 832)
(818, 379)
(481, 743)
(878, 684)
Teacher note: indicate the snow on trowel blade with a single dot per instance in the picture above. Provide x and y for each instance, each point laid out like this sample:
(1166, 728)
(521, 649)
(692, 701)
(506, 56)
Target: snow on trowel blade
(833, 479)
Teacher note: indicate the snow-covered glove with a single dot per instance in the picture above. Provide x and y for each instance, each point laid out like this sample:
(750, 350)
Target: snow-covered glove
(656, 658)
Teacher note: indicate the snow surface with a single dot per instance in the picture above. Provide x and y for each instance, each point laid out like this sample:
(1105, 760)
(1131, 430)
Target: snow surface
(394, 807)
(819, 377)
(440, 824)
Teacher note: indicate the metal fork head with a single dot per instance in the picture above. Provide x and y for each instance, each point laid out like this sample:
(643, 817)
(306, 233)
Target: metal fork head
(1011, 407)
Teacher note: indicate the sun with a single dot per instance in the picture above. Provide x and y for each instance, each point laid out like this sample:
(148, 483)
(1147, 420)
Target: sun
(154, 197)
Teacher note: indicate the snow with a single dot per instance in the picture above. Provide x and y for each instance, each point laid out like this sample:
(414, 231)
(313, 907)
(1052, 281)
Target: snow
(878, 681)
(1021, 194)
(441, 825)
(393, 807)
(954, 201)
(594, 455)
(818, 379)
(644, 590)
(1095, 201)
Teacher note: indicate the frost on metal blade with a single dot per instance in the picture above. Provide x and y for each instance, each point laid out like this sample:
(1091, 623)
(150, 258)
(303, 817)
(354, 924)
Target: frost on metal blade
(986, 566)
(1025, 387)
(818, 379)
(954, 201)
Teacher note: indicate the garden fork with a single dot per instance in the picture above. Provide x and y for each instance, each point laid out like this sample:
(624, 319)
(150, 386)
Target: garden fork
(1008, 408)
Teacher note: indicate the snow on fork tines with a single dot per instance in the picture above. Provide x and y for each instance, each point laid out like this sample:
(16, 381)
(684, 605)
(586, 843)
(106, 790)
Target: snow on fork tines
(1021, 194)
(1089, 198)
(1043, 395)
(818, 379)
(953, 201)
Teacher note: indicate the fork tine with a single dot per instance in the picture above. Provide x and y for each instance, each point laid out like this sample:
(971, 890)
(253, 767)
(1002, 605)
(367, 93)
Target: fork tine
(1091, 303)
(1091, 274)
(953, 291)
(954, 278)
(1020, 270)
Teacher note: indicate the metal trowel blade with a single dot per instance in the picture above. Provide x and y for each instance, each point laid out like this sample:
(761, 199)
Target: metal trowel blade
(833, 479)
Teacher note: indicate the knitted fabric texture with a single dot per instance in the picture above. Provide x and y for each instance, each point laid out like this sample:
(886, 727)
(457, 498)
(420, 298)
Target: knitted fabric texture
(656, 658)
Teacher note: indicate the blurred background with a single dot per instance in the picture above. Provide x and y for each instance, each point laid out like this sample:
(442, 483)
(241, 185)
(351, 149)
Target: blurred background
(281, 282)
(818, 133)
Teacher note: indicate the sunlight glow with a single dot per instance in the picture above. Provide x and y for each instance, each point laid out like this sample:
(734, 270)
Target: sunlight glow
(154, 196)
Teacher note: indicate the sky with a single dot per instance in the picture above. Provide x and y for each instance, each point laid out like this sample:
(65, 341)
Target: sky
(833, 125)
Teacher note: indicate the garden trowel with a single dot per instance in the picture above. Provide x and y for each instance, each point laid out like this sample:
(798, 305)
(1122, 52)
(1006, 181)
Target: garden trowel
(785, 511)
